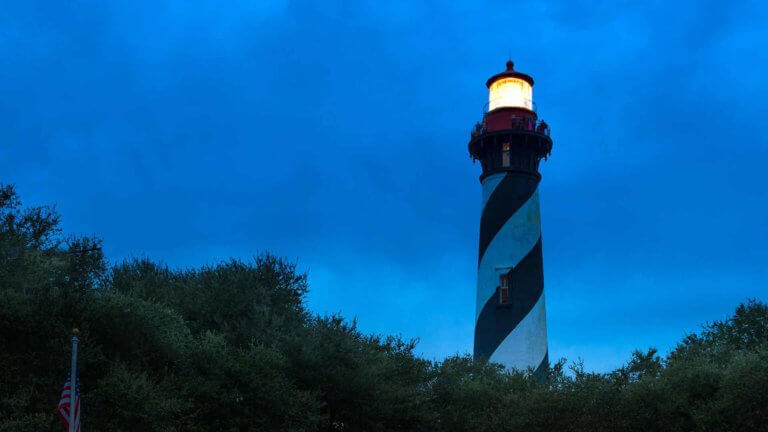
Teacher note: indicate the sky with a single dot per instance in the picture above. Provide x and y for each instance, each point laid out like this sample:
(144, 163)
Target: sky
(334, 133)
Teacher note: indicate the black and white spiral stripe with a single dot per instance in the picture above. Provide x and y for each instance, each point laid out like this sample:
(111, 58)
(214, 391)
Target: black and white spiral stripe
(514, 334)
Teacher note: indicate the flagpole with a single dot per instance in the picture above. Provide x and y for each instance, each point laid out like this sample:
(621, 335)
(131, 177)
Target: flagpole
(73, 381)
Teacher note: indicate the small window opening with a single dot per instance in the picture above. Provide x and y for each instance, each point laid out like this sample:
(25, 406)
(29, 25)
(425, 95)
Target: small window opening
(505, 154)
(504, 289)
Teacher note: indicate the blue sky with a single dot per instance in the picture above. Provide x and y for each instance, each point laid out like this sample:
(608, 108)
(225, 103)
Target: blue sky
(334, 134)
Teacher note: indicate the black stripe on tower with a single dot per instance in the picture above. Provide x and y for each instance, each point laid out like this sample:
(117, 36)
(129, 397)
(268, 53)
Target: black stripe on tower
(510, 194)
(496, 321)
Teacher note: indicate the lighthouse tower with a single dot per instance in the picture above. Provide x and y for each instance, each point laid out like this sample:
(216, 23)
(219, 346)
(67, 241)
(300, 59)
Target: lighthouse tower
(510, 319)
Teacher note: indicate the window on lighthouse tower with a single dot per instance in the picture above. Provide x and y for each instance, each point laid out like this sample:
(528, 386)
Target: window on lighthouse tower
(505, 155)
(504, 289)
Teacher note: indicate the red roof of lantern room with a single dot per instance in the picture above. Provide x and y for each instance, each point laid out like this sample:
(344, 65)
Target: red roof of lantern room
(509, 73)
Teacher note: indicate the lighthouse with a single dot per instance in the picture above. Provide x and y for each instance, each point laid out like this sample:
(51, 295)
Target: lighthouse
(509, 143)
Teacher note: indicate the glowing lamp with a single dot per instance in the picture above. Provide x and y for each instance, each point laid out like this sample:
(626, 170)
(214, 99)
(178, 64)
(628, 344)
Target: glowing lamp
(510, 92)
(510, 89)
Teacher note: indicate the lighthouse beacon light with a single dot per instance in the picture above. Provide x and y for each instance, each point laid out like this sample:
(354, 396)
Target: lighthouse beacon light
(510, 93)
(510, 89)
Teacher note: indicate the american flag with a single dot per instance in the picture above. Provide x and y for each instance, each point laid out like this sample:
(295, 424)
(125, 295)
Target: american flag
(65, 404)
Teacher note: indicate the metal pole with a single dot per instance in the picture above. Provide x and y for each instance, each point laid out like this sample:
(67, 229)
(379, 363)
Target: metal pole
(73, 382)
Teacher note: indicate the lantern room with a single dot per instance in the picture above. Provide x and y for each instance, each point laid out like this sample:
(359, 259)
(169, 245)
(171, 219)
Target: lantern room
(510, 89)
(510, 101)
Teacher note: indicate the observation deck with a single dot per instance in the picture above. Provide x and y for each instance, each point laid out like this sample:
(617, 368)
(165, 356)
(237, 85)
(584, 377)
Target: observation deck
(514, 144)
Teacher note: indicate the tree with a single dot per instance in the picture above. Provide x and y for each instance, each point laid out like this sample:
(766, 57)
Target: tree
(232, 347)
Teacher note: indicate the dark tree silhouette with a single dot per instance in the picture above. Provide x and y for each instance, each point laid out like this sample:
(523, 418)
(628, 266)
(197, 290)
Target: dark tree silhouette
(232, 347)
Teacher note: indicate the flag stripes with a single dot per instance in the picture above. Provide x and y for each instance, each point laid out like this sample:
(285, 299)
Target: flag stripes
(65, 403)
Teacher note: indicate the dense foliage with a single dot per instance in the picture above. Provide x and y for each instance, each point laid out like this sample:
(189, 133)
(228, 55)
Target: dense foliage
(231, 347)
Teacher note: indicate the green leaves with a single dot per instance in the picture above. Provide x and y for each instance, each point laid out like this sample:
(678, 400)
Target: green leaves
(261, 300)
(127, 398)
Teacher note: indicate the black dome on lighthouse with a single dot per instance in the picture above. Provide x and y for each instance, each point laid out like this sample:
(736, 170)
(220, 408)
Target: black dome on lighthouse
(509, 73)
